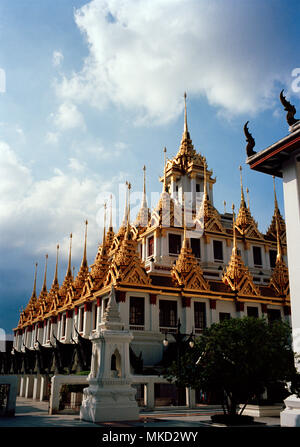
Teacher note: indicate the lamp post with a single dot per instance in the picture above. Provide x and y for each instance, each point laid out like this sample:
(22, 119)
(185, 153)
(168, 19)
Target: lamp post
(180, 338)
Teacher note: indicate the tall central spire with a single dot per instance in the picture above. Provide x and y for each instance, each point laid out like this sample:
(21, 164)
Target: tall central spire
(69, 271)
(44, 288)
(185, 116)
(33, 296)
(243, 203)
(165, 170)
(56, 266)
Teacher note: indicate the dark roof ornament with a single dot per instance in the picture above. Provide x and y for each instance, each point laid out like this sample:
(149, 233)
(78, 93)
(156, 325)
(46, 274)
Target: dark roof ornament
(250, 140)
(289, 108)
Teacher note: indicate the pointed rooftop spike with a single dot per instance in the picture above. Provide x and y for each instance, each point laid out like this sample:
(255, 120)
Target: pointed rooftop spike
(104, 222)
(234, 247)
(110, 219)
(56, 266)
(34, 282)
(275, 197)
(185, 115)
(243, 203)
(279, 249)
(125, 210)
(224, 203)
(84, 259)
(248, 201)
(69, 271)
(44, 288)
(165, 171)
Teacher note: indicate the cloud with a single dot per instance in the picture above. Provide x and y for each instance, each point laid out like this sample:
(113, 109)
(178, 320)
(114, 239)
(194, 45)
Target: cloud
(68, 117)
(35, 214)
(144, 54)
(57, 58)
(52, 137)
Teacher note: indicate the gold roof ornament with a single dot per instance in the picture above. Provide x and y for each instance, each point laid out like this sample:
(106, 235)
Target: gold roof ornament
(186, 271)
(280, 276)
(237, 275)
(52, 298)
(110, 232)
(126, 266)
(212, 219)
(277, 217)
(68, 278)
(99, 268)
(245, 224)
(143, 214)
(28, 313)
(248, 201)
(76, 287)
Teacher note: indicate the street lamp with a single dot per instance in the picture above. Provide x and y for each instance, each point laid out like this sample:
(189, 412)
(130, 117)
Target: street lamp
(180, 338)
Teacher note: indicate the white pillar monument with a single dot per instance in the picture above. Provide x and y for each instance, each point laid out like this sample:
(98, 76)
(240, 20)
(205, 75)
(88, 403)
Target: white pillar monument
(110, 396)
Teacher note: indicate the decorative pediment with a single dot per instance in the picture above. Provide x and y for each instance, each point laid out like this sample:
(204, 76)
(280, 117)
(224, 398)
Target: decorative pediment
(187, 272)
(126, 265)
(238, 277)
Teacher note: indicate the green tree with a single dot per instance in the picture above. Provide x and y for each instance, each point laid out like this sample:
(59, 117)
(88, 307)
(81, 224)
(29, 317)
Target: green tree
(238, 358)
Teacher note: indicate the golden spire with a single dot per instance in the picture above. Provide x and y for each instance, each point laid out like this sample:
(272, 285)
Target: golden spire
(234, 245)
(275, 197)
(205, 180)
(56, 266)
(185, 115)
(243, 203)
(165, 171)
(279, 249)
(248, 201)
(69, 271)
(125, 211)
(128, 209)
(104, 223)
(33, 296)
(110, 218)
(44, 288)
(84, 259)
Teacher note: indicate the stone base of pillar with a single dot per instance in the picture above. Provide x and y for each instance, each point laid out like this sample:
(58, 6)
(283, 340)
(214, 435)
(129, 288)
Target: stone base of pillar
(29, 387)
(36, 388)
(290, 417)
(108, 401)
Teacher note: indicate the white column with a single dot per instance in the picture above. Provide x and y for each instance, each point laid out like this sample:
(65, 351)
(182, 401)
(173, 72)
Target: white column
(29, 386)
(149, 395)
(190, 398)
(36, 387)
(290, 417)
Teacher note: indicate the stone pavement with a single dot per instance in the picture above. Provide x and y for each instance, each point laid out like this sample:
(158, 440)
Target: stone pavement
(31, 413)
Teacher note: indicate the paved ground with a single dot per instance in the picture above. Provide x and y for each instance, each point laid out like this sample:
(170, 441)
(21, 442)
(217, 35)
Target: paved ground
(31, 413)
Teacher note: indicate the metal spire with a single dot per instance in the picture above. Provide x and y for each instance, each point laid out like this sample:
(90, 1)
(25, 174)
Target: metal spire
(33, 296)
(56, 266)
(165, 169)
(110, 219)
(44, 288)
(69, 271)
(242, 191)
(185, 115)
(104, 222)
(234, 248)
(84, 259)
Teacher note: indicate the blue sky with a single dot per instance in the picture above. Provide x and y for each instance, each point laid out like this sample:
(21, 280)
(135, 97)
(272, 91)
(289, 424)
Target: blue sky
(94, 90)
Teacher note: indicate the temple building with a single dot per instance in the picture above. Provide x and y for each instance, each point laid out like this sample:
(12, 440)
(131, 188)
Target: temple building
(184, 261)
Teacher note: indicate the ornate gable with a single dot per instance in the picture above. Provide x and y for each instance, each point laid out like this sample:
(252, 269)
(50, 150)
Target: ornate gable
(187, 272)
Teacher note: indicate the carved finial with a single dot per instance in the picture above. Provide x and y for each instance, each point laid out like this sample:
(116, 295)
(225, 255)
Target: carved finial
(34, 282)
(56, 266)
(69, 271)
(275, 197)
(44, 288)
(248, 201)
(234, 250)
(250, 141)
(165, 170)
(84, 259)
(110, 218)
(185, 115)
(289, 108)
(242, 190)
(104, 222)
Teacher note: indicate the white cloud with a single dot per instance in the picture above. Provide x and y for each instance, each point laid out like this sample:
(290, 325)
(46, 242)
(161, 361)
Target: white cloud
(144, 54)
(76, 165)
(52, 137)
(36, 214)
(68, 117)
(57, 58)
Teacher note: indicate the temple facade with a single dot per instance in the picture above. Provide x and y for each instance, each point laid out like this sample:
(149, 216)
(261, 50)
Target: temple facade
(184, 261)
